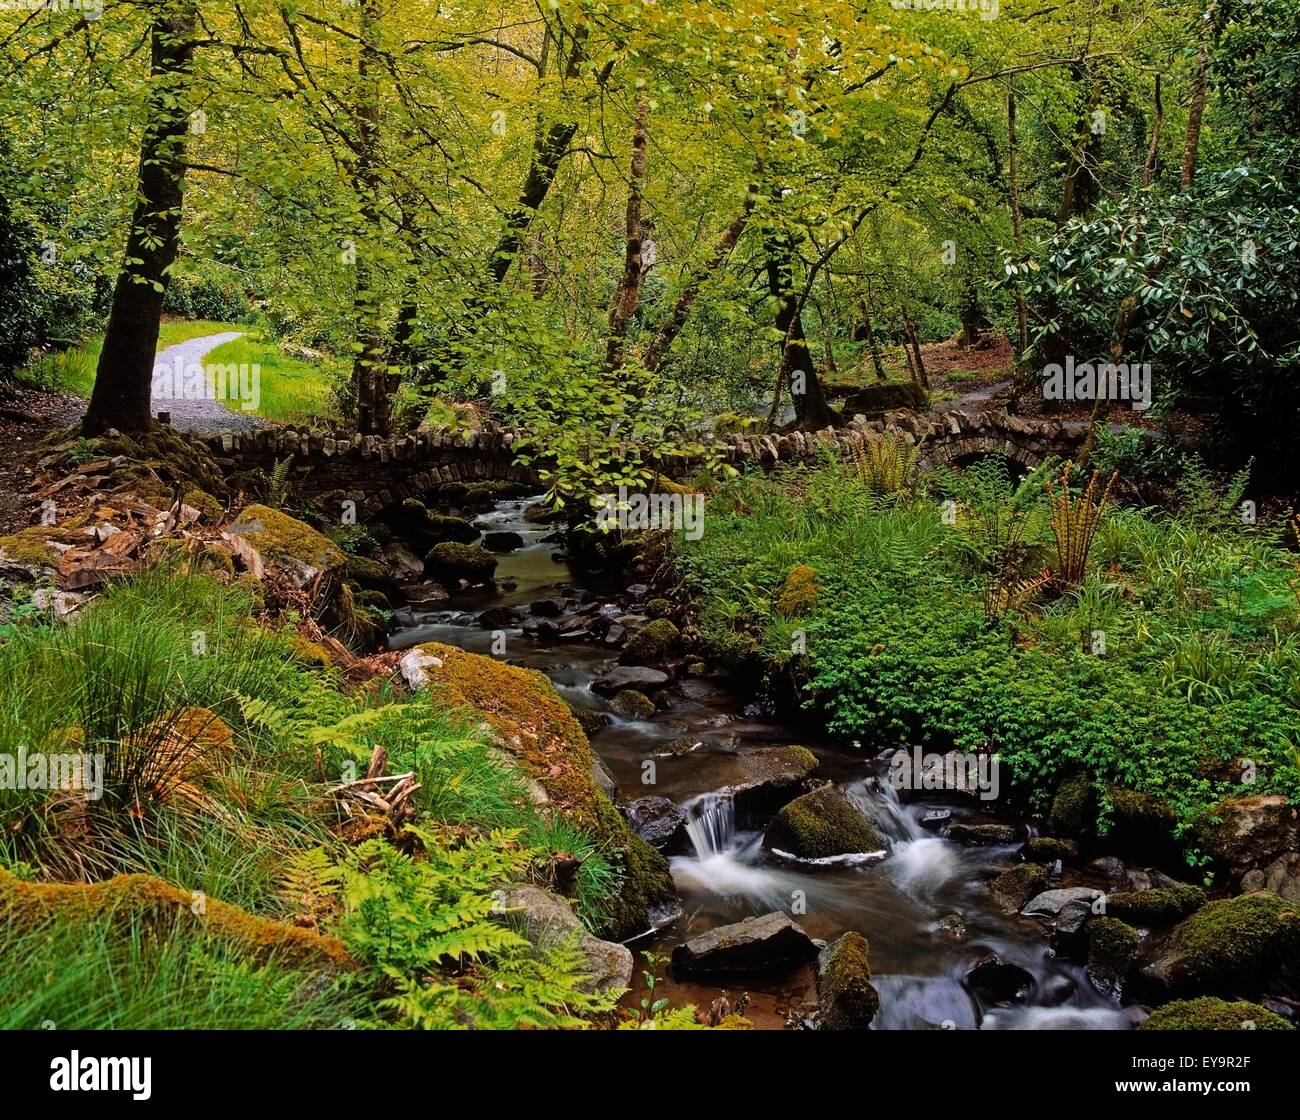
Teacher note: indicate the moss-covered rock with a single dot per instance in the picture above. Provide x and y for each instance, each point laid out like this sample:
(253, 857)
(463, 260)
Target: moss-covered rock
(1245, 832)
(310, 653)
(153, 907)
(1012, 889)
(285, 540)
(449, 562)
(369, 573)
(1074, 808)
(374, 600)
(1143, 824)
(1157, 906)
(1210, 1014)
(659, 608)
(653, 643)
(1112, 946)
(36, 547)
(1230, 947)
(208, 507)
(846, 998)
(631, 704)
(799, 592)
(537, 728)
(1045, 849)
(821, 824)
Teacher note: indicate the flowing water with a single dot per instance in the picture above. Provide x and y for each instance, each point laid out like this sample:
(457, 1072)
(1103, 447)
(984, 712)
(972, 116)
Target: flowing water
(899, 900)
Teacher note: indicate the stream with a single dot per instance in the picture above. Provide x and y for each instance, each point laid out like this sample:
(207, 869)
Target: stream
(899, 903)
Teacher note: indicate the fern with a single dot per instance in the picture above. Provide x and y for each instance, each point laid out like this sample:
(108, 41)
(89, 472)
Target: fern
(278, 483)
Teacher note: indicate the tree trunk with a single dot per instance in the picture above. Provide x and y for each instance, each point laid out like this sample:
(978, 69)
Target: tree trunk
(628, 292)
(1196, 110)
(371, 383)
(873, 342)
(1153, 150)
(124, 376)
(909, 328)
(812, 411)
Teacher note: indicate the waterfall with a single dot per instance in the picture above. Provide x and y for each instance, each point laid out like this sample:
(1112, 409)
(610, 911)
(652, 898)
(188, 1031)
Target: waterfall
(711, 824)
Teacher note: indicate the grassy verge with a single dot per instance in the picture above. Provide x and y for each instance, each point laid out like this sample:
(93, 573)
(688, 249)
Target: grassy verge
(220, 741)
(1171, 667)
(291, 388)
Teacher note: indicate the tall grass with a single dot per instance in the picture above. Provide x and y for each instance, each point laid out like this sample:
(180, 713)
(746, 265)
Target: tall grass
(291, 389)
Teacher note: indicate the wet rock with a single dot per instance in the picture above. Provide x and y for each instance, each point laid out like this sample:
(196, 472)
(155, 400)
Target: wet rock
(638, 590)
(448, 562)
(1136, 879)
(761, 781)
(615, 635)
(674, 748)
(846, 998)
(547, 919)
(1068, 937)
(659, 821)
(1012, 889)
(1074, 808)
(542, 630)
(935, 819)
(1045, 849)
(754, 945)
(964, 833)
(424, 594)
(603, 778)
(412, 521)
(1108, 867)
(1143, 824)
(497, 618)
(652, 644)
(503, 540)
(1051, 902)
(1112, 946)
(951, 927)
(1158, 906)
(1210, 1014)
(641, 678)
(548, 608)
(1282, 877)
(821, 824)
(994, 981)
(401, 562)
(1230, 947)
(591, 721)
(631, 704)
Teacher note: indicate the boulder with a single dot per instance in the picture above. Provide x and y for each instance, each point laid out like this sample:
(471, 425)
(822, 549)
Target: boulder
(497, 618)
(1074, 808)
(1045, 849)
(1210, 1014)
(1157, 906)
(1112, 946)
(966, 833)
(821, 824)
(996, 981)
(1012, 889)
(846, 998)
(631, 704)
(1282, 877)
(762, 780)
(1252, 832)
(503, 540)
(277, 539)
(659, 821)
(1050, 903)
(754, 945)
(652, 644)
(546, 919)
(1234, 946)
(548, 608)
(629, 676)
(449, 562)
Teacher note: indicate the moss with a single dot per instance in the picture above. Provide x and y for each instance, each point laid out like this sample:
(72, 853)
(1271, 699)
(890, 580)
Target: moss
(1233, 945)
(367, 572)
(823, 823)
(278, 535)
(1210, 1014)
(651, 644)
(734, 1023)
(209, 508)
(1112, 945)
(1045, 849)
(146, 903)
(1158, 906)
(309, 652)
(215, 558)
(1012, 889)
(536, 727)
(799, 592)
(631, 704)
(1074, 808)
(450, 561)
(659, 608)
(847, 997)
(374, 600)
(202, 726)
(34, 546)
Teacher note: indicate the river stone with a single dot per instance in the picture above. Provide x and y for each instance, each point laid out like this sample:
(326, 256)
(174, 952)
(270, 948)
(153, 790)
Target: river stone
(951, 927)
(964, 833)
(1210, 1014)
(753, 945)
(629, 676)
(846, 998)
(1045, 849)
(548, 608)
(546, 919)
(542, 630)
(451, 561)
(821, 824)
(497, 618)
(603, 778)
(995, 981)
(1282, 877)
(1253, 831)
(1051, 902)
(631, 704)
(1012, 889)
(503, 540)
(1231, 947)
(1112, 945)
(935, 819)
(762, 780)
(659, 821)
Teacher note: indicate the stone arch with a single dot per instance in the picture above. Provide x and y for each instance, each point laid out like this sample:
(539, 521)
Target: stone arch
(948, 452)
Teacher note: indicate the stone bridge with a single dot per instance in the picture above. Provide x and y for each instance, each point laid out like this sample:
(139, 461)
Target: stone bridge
(376, 472)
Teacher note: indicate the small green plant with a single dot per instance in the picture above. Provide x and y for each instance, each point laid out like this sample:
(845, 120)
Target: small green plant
(277, 488)
(651, 1005)
(886, 463)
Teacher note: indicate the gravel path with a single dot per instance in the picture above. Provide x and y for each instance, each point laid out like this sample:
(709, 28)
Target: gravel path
(200, 415)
